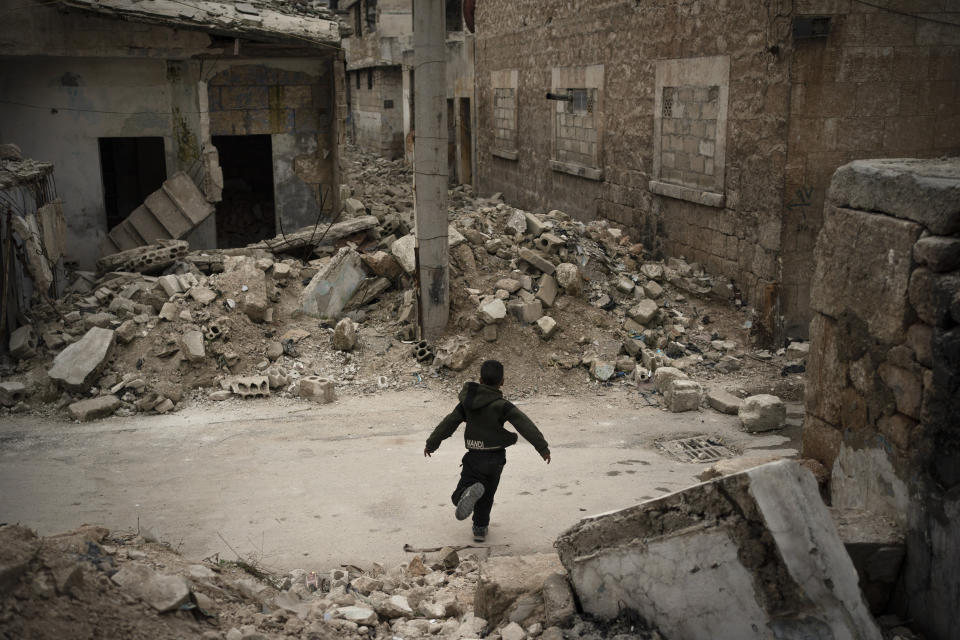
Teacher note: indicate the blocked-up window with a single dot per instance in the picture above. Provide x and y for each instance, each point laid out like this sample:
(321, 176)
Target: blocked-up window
(576, 95)
(505, 113)
(371, 15)
(576, 128)
(690, 129)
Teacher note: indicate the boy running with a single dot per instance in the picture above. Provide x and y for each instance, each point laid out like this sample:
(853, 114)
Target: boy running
(484, 409)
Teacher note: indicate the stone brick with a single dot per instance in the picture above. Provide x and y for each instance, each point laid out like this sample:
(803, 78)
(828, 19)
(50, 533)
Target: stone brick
(938, 253)
(932, 294)
(863, 264)
(94, 408)
(907, 388)
(547, 292)
(826, 374)
(820, 441)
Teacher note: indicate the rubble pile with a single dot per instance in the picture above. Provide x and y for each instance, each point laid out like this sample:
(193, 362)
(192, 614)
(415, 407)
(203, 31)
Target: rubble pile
(566, 305)
(90, 583)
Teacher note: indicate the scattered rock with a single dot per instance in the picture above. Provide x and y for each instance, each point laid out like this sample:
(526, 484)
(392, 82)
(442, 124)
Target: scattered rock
(94, 408)
(23, 342)
(762, 413)
(344, 335)
(162, 592)
(724, 401)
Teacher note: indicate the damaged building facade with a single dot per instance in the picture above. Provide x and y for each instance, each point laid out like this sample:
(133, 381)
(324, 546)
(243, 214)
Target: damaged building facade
(121, 97)
(712, 129)
(381, 76)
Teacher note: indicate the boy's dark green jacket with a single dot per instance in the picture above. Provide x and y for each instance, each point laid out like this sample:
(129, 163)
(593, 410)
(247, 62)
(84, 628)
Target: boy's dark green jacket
(484, 410)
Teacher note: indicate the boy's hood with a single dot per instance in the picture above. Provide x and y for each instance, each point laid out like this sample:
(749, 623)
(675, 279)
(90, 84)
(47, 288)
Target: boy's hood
(476, 396)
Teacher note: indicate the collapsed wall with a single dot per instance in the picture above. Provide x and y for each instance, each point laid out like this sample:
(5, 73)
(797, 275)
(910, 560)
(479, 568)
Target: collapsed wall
(738, 557)
(883, 381)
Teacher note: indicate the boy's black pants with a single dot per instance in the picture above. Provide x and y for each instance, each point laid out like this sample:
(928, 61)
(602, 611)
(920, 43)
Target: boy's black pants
(483, 467)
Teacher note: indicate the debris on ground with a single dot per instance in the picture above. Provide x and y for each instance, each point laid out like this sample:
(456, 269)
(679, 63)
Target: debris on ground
(567, 306)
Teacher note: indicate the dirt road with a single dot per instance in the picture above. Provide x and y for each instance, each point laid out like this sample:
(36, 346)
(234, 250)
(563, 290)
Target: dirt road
(310, 486)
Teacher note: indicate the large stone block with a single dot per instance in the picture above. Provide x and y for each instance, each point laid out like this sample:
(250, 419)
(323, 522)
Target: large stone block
(76, 366)
(863, 263)
(333, 286)
(925, 191)
(506, 579)
(751, 555)
(932, 294)
(94, 408)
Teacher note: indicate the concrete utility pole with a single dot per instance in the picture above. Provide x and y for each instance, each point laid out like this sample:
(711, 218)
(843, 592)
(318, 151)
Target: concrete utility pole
(430, 165)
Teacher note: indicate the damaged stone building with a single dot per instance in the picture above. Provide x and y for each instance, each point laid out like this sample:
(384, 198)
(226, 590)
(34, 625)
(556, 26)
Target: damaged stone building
(712, 129)
(381, 77)
(246, 99)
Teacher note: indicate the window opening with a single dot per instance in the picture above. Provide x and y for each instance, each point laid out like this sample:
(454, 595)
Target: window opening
(454, 15)
(371, 14)
(370, 78)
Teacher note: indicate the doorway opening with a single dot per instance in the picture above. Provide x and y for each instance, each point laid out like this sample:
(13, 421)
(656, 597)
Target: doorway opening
(132, 169)
(465, 143)
(246, 213)
(451, 143)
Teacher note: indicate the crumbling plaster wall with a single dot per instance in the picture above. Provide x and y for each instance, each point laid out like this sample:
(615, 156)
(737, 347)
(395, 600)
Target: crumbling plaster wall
(880, 85)
(378, 127)
(292, 101)
(739, 239)
(883, 375)
(106, 78)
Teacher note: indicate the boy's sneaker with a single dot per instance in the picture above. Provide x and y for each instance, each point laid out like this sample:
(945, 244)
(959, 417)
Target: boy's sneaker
(468, 499)
(479, 534)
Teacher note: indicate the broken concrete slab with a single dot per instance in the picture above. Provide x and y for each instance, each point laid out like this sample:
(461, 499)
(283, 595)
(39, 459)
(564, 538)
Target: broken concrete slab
(332, 287)
(314, 236)
(537, 261)
(505, 579)
(739, 547)
(762, 412)
(160, 591)
(664, 376)
(23, 342)
(492, 311)
(724, 401)
(76, 366)
(94, 408)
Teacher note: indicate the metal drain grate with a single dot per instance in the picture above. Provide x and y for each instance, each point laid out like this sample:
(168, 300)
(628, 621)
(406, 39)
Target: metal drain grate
(697, 449)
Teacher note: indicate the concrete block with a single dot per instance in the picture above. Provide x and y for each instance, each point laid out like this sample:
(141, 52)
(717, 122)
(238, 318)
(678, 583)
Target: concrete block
(682, 395)
(191, 346)
(170, 284)
(652, 289)
(529, 312)
(757, 552)
(203, 295)
(664, 376)
(76, 366)
(724, 401)
(251, 387)
(625, 285)
(333, 286)
(94, 408)
(23, 342)
(546, 327)
(12, 392)
(535, 226)
(547, 293)
(507, 284)
(404, 251)
(644, 311)
(354, 207)
(317, 389)
(505, 579)
(383, 265)
(602, 370)
(762, 413)
(537, 261)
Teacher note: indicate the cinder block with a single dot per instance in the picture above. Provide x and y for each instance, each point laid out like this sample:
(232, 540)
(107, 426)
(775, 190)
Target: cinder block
(318, 389)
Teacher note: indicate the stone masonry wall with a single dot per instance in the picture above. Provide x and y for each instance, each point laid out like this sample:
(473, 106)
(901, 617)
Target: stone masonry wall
(879, 83)
(883, 381)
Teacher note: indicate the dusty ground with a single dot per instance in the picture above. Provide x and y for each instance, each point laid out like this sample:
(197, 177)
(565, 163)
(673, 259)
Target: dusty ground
(305, 486)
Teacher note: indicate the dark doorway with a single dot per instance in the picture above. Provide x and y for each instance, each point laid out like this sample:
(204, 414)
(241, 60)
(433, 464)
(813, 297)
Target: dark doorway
(246, 213)
(465, 143)
(451, 143)
(132, 169)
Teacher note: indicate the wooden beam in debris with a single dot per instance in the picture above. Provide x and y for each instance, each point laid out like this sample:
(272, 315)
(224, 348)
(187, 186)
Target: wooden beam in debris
(314, 236)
